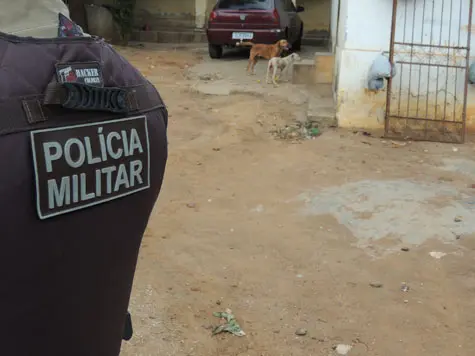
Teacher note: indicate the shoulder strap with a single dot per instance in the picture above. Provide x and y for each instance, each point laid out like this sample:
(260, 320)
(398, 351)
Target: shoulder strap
(20, 114)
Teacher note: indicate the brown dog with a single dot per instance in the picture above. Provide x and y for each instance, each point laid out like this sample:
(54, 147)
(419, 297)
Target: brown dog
(259, 50)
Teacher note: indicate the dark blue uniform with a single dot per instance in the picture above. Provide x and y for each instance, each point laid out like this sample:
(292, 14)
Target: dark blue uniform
(83, 150)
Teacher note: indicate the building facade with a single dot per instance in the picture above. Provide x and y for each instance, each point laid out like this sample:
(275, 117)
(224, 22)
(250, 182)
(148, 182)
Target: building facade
(430, 41)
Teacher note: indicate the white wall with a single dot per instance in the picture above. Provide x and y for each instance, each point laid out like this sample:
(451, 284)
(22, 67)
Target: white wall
(340, 38)
(334, 22)
(367, 33)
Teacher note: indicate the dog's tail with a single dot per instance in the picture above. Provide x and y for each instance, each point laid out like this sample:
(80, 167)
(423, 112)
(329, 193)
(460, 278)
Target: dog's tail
(244, 44)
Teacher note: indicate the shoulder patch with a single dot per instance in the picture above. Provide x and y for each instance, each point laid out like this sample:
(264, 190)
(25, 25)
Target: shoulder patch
(77, 167)
(68, 28)
(89, 73)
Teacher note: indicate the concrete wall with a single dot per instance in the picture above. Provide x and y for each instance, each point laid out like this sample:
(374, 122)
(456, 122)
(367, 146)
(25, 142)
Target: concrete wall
(165, 13)
(202, 10)
(334, 13)
(316, 16)
(162, 13)
(360, 40)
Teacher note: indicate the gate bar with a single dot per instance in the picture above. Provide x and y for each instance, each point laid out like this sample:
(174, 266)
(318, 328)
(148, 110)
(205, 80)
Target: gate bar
(391, 61)
(467, 72)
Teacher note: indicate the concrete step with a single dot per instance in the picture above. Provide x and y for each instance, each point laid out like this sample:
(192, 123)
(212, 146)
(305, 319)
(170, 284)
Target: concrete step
(316, 42)
(304, 72)
(318, 70)
(322, 111)
(170, 36)
(324, 64)
(317, 38)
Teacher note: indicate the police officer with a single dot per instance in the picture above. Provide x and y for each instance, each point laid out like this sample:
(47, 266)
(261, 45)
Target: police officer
(82, 152)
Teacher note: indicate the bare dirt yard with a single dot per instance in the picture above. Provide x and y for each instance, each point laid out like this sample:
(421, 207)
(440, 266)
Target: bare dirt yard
(342, 244)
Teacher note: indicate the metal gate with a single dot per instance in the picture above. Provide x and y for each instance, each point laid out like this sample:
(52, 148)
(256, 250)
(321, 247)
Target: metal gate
(430, 46)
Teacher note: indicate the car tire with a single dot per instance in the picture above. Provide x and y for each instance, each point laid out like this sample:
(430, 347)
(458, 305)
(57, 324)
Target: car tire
(215, 51)
(297, 45)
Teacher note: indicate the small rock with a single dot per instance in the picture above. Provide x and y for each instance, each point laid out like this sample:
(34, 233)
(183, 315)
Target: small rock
(437, 255)
(342, 349)
(210, 76)
(191, 205)
(195, 289)
(405, 249)
(301, 332)
(218, 302)
(404, 287)
(458, 219)
(376, 285)
(217, 149)
(258, 209)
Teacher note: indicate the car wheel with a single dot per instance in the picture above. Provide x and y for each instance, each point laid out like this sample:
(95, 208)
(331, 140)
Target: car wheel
(298, 44)
(215, 51)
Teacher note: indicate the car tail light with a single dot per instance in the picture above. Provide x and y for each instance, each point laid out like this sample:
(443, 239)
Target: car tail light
(275, 16)
(213, 16)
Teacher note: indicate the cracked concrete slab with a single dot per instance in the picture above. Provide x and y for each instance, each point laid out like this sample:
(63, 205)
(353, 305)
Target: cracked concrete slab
(408, 211)
(459, 165)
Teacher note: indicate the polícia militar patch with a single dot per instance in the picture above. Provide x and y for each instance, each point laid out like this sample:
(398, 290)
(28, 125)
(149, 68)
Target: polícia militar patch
(80, 166)
(89, 73)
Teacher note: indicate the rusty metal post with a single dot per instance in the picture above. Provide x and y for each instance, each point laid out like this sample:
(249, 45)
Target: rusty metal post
(467, 72)
(391, 60)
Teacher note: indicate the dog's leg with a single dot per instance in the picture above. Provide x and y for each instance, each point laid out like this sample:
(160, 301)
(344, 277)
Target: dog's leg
(249, 65)
(269, 67)
(254, 62)
(284, 73)
(274, 75)
(252, 56)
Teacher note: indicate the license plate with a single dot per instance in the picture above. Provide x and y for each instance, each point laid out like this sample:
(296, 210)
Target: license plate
(243, 35)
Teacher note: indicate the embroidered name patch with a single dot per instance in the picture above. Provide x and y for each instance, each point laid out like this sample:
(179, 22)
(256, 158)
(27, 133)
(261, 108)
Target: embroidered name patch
(89, 73)
(77, 167)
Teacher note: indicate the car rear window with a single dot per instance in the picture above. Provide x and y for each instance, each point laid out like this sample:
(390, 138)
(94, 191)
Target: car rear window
(244, 4)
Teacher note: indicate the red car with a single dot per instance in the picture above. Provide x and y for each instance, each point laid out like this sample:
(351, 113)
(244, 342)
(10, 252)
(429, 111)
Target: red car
(258, 21)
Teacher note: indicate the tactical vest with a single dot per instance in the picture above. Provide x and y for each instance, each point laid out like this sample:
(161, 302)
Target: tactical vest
(82, 151)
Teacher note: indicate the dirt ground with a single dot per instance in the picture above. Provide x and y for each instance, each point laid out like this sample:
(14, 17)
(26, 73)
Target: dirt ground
(332, 235)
